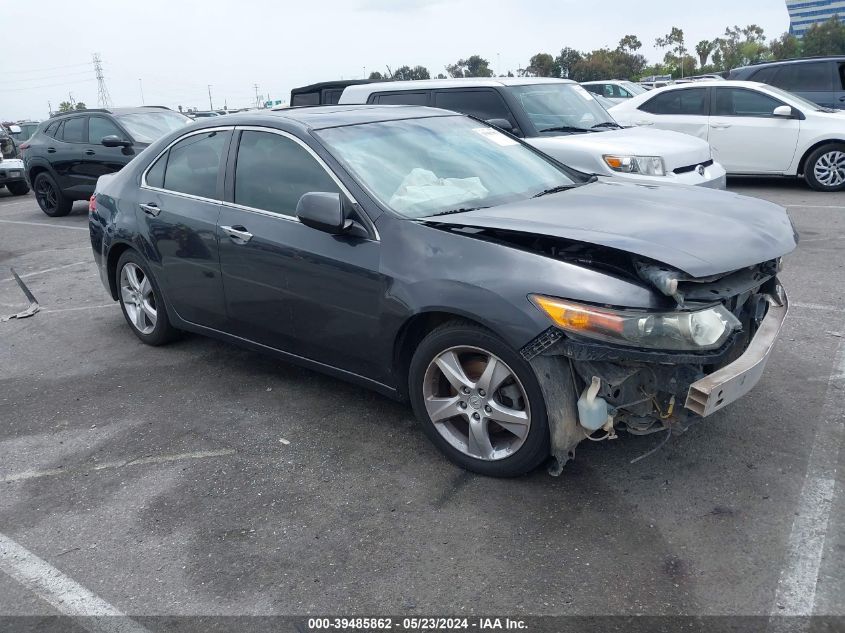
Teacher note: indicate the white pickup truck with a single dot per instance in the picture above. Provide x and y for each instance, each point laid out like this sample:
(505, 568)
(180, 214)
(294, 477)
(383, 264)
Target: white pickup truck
(565, 121)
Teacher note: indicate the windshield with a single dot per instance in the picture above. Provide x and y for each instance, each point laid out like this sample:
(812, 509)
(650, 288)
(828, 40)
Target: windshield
(422, 167)
(634, 89)
(146, 127)
(552, 105)
(791, 96)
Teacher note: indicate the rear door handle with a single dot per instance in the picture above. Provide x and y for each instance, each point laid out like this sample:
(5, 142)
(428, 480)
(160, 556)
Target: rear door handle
(238, 234)
(90, 152)
(720, 126)
(51, 150)
(150, 208)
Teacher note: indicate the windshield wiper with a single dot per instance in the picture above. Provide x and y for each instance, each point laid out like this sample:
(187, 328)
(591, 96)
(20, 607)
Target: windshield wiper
(557, 189)
(565, 128)
(460, 210)
(612, 124)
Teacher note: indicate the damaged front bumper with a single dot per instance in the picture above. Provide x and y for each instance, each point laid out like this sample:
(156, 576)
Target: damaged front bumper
(642, 391)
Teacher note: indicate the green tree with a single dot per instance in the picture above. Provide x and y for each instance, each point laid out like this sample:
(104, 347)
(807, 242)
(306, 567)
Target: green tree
(740, 47)
(703, 50)
(629, 44)
(565, 62)
(472, 66)
(541, 65)
(827, 38)
(786, 46)
(674, 41)
(406, 73)
(376, 76)
(80, 106)
(65, 106)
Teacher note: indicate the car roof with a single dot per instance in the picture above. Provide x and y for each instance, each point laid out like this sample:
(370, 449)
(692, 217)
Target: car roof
(326, 116)
(363, 91)
(606, 81)
(714, 83)
(133, 110)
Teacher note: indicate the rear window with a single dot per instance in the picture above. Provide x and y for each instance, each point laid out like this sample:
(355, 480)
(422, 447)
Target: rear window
(403, 98)
(146, 127)
(689, 101)
(806, 77)
(482, 104)
(194, 163)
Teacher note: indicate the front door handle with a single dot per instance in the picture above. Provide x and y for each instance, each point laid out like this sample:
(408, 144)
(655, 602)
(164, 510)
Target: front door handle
(238, 234)
(643, 123)
(51, 150)
(720, 126)
(150, 208)
(90, 152)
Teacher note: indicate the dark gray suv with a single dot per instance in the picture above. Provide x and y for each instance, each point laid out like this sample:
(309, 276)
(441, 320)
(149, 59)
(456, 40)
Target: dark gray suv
(818, 79)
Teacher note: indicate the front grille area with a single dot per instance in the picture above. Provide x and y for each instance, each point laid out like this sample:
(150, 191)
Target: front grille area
(689, 168)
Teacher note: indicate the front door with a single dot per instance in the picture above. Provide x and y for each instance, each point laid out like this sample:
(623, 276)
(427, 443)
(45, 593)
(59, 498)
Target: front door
(100, 160)
(681, 110)
(289, 286)
(745, 134)
(179, 203)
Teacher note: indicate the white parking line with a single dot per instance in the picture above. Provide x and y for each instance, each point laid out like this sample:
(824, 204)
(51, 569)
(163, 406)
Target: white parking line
(816, 306)
(813, 206)
(48, 270)
(796, 591)
(53, 226)
(63, 593)
(152, 459)
(78, 308)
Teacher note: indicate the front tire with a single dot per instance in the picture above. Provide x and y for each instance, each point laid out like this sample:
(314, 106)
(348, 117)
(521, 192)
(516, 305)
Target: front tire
(479, 401)
(49, 197)
(825, 168)
(142, 301)
(18, 188)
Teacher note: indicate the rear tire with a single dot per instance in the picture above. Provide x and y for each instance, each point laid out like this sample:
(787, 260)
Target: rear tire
(489, 416)
(18, 188)
(49, 197)
(142, 301)
(825, 168)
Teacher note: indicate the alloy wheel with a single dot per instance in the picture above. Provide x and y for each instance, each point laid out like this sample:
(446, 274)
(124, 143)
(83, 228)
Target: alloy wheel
(477, 403)
(829, 169)
(138, 298)
(46, 195)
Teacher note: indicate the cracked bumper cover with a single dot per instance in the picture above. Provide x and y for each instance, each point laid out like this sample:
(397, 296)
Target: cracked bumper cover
(733, 381)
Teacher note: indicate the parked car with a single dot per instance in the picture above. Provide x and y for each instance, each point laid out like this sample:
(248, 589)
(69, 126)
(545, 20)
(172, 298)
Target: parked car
(430, 256)
(323, 93)
(200, 114)
(817, 79)
(21, 130)
(68, 152)
(11, 166)
(562, 119)
(753, 128)
(616, 90)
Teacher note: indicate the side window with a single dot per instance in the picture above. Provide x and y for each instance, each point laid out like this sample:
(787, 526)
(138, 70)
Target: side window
(155, 176)
(812, 76)
(741, 102)
(74, 130)
(306, 98)
(484, 104)
(621, 93)
(100, 127)
(332, 95)
(194, 163)
(272, 172)
(841, 77)
(402, 98)
(596, 89)
(689, 101)
(50, 130)
(765, 75)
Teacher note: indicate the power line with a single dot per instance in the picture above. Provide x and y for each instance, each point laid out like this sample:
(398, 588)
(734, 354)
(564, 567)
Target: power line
(64, 83)
(73, 74)
(103, 99)
(17, 72)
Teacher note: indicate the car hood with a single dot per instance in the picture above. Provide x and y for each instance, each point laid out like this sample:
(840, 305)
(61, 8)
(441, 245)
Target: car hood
(676, 149)
(696, 230)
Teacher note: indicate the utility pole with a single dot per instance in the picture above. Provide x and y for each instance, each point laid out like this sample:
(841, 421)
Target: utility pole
(50, 107)
(257, 103)
(210, 106)
(141, 88)
(103, 99)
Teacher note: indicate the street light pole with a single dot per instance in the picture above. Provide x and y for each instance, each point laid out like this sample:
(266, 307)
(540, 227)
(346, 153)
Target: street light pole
(141, 88)
(210, 106)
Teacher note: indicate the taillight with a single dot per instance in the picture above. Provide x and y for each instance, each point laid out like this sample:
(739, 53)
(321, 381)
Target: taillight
(23, 146)
(92, 203)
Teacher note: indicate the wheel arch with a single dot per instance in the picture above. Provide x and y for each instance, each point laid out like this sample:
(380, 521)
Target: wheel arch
(829, 141)
(115, 251)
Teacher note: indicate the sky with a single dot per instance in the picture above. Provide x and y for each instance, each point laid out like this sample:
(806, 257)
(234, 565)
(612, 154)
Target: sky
(172, 50)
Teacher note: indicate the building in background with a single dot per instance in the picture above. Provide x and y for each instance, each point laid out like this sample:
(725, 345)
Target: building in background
(805, 13)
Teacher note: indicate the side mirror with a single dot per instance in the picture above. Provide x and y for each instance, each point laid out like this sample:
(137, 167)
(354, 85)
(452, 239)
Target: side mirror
(112, 140)
(502, 124)
(323, 211)
(784, 111)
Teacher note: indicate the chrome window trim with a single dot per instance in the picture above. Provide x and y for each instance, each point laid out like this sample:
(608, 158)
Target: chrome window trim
(144, 185)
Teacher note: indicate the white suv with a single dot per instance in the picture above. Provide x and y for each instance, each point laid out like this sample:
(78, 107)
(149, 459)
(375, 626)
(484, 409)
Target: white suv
(562, 119)
(753, 128)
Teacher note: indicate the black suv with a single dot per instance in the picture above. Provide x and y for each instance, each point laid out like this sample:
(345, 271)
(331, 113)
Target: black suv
(817, 79)
(69, 151)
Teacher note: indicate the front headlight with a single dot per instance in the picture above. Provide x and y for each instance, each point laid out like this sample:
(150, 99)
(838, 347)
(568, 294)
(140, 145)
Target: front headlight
(700, 330)
(644, 165)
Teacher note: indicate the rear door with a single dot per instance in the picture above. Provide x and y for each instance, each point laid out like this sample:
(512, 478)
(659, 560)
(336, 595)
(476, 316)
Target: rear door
(178, 205)
(811, 80)
(482, 103)
(744, 134)
(839, 85)
(682, 110)
(289, 286)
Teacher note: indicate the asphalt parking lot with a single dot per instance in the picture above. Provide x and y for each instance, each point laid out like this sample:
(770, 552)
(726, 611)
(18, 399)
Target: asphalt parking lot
(199, 478)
